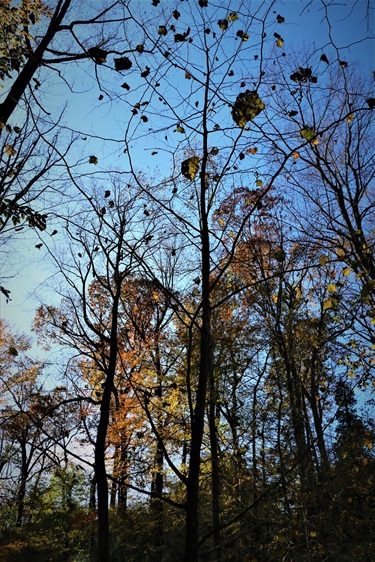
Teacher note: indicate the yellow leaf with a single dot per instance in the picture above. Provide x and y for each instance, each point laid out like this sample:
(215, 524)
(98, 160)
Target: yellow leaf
(340, 252)
(313, 534)
(10, 150)
(329, 303)
(295, 155)
(351, 374)
(323, 260)
(279, 42)
(259, 183)
(331, 288)
(350, 118)
(274, 298)
(367, 443)
(346, 271)
(190, 167)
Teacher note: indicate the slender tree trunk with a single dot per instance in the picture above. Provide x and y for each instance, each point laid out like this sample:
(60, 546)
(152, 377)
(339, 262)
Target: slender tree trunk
(122, 488)
(115, 474)
(22, 489)
(192, 489)
(157, 506)
(298, 423)
(92, 508)
(24, 78)
(205, 371)
(317, 417)
(100, 445)
(296, 401)
(215, 477)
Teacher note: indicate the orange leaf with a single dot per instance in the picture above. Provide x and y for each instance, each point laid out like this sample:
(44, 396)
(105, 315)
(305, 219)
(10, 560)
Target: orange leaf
(10, 150)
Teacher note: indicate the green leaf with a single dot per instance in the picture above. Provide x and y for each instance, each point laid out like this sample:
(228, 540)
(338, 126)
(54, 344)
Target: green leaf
(246, 107)
(223, 24)
(190, 167)
(280, 255)
(179, 129)
(233, 16)
(308, 133)
(259, 183)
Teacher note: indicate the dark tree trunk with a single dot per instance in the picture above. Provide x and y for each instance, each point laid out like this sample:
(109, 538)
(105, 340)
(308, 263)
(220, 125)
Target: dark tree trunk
(22, 489)
(122, 489)
(205, 369)
(100, 445)
(24, 78)
(215, 479)
(157, 506)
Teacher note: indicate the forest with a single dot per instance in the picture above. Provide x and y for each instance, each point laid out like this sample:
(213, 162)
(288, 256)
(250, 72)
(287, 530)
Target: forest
(194, 181)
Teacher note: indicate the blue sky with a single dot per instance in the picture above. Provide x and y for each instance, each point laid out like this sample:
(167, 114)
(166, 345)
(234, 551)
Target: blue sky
(305, 27)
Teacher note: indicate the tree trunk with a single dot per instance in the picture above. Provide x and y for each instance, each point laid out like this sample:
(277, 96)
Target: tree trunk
(24, 78)
(157, 484)
(22, 489)
(205, 373)
(100, 445)
(215, 480)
